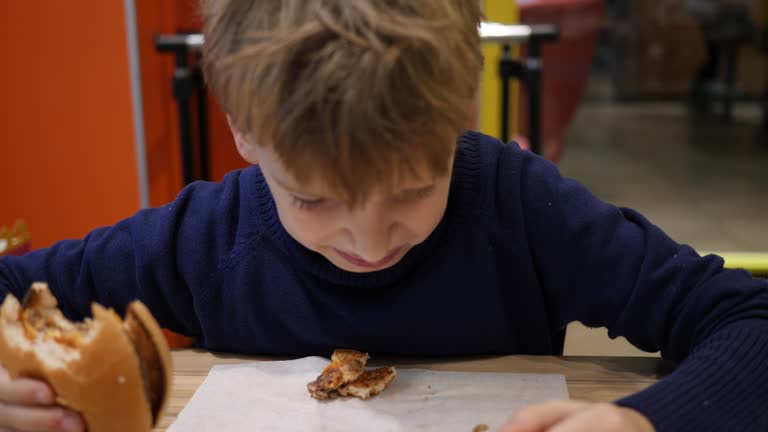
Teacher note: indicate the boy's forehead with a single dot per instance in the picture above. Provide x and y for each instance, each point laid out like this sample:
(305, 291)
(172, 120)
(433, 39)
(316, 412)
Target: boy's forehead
(315, 182)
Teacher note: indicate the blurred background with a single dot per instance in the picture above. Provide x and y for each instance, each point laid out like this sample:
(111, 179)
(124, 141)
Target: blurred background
(658, 105)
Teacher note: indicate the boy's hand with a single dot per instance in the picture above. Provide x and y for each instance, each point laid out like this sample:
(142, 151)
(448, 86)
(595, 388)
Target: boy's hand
(577, 416)
(27, 405)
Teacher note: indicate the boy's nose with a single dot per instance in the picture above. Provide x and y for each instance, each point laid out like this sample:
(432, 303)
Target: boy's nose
(372, 234)
(372, 246)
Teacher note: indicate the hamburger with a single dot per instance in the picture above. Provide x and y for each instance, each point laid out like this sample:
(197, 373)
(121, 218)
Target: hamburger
(115, 372)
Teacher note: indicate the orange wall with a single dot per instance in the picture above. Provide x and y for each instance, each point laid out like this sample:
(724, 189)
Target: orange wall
(67, 156)
(161, 133)
(67, 161)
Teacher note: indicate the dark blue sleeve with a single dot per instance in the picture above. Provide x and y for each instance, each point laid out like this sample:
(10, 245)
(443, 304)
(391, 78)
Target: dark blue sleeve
(607, 266)
(161, 256)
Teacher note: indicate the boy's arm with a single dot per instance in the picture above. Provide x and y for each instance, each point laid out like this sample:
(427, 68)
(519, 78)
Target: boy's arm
(157, 256)
(606, 266)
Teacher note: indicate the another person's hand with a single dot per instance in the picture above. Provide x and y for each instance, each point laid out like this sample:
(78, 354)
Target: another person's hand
(28, 405)
(577, 416)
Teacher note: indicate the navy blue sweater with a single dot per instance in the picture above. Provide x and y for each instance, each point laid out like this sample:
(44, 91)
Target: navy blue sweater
(520, 253)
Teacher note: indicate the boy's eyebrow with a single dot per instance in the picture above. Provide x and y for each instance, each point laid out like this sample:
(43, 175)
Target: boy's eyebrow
(415, 189)
(291, 189)
(283, 184)
(400, 192)
(280, 182)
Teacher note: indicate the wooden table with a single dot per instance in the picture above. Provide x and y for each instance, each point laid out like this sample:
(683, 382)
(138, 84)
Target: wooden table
(588, 378)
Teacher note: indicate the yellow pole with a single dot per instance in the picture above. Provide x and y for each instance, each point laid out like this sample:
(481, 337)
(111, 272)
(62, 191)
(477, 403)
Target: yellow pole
(489, 97)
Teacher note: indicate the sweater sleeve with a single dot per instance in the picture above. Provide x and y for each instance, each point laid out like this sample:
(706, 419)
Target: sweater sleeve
(161, 256)
(610, 267)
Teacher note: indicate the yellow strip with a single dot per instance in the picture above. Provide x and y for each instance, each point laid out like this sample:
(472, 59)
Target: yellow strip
(755, 262)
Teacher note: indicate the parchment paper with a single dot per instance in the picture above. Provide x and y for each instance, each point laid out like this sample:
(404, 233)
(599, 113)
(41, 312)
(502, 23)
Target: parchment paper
(272, 396)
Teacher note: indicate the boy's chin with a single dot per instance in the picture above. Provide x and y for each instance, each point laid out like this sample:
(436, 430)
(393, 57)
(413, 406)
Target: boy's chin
(344, 264)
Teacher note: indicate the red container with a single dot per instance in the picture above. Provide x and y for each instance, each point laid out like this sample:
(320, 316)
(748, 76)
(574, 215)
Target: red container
(14, 240)
(178, 341)
(567, 64)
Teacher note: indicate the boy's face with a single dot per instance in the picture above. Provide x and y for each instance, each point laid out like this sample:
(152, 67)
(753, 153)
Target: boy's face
(370, 237)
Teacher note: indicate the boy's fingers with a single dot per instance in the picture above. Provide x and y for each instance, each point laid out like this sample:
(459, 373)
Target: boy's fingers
(24, 391)
(582, 422)
(20, 418)
(602, 417)
(540, 417)
(599, 417)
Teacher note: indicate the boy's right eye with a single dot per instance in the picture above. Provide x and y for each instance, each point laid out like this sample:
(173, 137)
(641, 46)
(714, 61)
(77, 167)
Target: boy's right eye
(307, 204)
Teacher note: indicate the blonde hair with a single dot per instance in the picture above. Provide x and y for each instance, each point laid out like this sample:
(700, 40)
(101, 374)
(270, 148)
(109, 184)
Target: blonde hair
(352, 91)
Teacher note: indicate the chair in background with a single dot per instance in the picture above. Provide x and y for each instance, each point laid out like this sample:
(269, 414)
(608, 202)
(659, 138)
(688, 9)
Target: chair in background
(727, 26)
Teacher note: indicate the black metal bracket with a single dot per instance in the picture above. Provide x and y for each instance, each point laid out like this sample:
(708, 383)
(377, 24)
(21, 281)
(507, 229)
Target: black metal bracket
(187, 82)
(529, 72)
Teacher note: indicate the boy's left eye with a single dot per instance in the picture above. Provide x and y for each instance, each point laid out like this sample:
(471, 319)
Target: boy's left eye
(417, 194)
(307, 204)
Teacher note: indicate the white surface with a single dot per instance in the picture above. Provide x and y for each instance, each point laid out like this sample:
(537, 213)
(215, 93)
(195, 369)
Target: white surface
(272, 396)
(489, 32)
(504, 32)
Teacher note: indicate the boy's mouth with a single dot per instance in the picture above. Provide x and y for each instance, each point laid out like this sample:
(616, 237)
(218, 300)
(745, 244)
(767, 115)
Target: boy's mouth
(360, 262)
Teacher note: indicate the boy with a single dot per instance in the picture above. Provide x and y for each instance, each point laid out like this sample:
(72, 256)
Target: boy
(365, 223)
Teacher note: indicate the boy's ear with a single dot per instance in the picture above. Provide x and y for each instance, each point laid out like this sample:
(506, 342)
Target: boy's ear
(246, 149)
